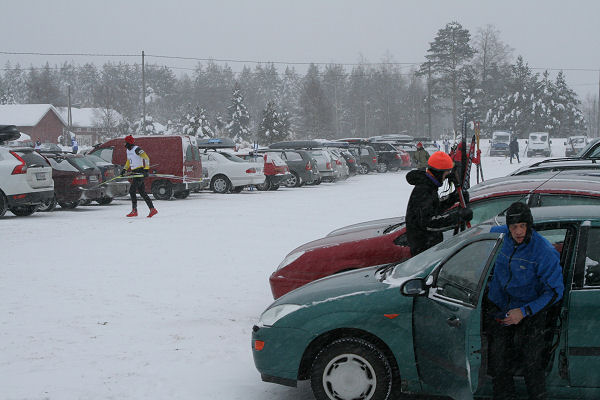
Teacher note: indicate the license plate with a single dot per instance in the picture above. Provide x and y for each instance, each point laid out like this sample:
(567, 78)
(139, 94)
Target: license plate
(40, 176)
(93, 178)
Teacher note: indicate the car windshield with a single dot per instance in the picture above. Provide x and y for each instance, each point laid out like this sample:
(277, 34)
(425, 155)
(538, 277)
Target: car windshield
(434, 255)
(501, 138)
(231, 157)
(97, 160)
(593, 154)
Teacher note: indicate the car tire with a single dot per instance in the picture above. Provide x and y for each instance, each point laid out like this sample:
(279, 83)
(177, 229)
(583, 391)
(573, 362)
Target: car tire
(363, 169)
(220, 184)
(3, 204)
(104, 200)
(68, 204)
(23, 211)
(294, 181)
(181, 195)
(317, 181)
(162, 190)
(351, 360)
(48, 205)
(266, 185)
(382, 168)
(274, 187)
(85, 202)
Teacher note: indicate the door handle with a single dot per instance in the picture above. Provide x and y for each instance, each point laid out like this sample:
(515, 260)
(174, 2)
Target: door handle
(454, 322)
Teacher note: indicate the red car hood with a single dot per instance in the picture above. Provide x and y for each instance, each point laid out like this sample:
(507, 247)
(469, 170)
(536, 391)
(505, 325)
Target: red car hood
(367, 226)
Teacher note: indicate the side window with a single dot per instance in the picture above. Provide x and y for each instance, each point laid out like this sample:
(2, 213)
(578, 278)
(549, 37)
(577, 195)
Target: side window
(592, 259)
(486, 209)
(292, 156)
(567, 199)
(189, 155)
(461, 276)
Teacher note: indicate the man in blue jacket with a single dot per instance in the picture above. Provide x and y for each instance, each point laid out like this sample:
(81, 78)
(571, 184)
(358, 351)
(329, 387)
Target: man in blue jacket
(527, 280)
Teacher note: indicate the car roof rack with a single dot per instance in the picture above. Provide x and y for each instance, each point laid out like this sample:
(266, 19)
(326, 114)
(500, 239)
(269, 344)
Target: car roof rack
(551, 160)
(297, 145)
(216, 143)
(8, 133)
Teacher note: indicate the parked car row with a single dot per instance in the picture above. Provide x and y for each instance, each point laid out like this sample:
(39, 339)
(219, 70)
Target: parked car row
(355, 307)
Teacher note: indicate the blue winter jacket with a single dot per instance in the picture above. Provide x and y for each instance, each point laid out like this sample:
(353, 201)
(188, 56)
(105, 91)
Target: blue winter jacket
(526, 276)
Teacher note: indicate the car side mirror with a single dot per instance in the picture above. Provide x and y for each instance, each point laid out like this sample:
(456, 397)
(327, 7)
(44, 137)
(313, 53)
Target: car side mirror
(413, 287)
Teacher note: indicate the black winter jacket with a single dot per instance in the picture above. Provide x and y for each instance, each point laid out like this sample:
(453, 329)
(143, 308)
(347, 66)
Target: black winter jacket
(513, 147)
(426, 218)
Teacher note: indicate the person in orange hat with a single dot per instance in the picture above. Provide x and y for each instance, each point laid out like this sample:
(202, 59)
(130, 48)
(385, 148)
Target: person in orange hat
(139, 163)
(420, 157)
(426, 215)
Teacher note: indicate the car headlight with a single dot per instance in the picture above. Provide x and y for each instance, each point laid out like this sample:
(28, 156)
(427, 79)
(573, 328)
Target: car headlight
(274, 314)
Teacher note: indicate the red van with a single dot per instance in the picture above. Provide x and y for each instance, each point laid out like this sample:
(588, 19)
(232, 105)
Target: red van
(175, 165)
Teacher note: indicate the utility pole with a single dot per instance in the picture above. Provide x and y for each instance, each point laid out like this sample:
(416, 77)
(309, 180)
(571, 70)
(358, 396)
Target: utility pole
(143, 95)
(69, 115)
(429, 100)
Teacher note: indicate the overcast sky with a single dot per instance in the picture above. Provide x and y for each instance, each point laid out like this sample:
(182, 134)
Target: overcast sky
(548, 33)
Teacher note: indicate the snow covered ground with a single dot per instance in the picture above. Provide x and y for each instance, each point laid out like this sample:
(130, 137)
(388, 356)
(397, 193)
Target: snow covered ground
(94, 305)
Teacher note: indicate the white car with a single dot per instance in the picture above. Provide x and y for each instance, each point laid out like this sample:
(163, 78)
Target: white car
(229, 173)
(25, 178)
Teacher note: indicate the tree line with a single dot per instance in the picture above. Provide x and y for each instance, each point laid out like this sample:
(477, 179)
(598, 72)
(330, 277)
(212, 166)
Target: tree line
(473, 75)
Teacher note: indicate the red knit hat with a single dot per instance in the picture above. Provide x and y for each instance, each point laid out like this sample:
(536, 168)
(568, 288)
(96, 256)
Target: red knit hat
(440, 161)
(419, 144)
(129, 139)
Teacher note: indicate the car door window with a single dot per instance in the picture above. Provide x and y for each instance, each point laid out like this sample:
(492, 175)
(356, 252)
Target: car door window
(549, 200)
(460, 277)
(293, 156)
(592, 259)
(105, 154)
(486, 209)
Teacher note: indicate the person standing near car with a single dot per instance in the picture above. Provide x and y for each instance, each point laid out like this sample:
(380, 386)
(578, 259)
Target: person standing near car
(426, 216)
(75, 145)
(421, 156)
(526, 281)
(513, 148)
(139, 163)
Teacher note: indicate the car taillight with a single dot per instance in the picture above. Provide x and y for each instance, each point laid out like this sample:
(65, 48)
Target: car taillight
(397, 156)
(338, 162)
(375, 159)
(79, 180)
(251, 171)
(350, 160)
(308, 166)
(328, 166)
(21, 168)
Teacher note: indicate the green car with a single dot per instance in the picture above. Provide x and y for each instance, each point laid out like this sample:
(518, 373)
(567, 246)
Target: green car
(420, 326)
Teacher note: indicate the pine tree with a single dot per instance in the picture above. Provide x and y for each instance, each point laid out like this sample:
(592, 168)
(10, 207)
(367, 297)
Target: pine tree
(196, 123)
(447, 56)
(567, 109)
(269, 125)
(316, 108)
(239, 119)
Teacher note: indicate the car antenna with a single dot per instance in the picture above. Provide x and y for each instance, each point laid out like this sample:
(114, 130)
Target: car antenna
(531, 191)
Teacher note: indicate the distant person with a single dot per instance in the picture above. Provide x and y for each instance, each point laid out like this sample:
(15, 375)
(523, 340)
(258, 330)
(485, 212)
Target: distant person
(456, 155)
(421, 156)
(139, 163)
(426, 215)
(75, 146)
(446, 146)
(38, 144)
(513, 148)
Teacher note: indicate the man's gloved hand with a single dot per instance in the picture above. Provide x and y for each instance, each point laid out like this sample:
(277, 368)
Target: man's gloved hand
(145, 172)
(465, 193)
(465, 214)
(123, 172)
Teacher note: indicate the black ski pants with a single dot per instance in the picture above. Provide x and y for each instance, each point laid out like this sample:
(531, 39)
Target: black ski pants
(523, 342)
(137, 186)
(516, 155)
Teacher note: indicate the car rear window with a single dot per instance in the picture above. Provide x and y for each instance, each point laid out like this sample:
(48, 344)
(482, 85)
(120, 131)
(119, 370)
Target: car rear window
(32, 158)
(105, 154)
(82, 162)
(192, 153)
(62, 164)
(232, 157)
(293, 156)
(549, 200)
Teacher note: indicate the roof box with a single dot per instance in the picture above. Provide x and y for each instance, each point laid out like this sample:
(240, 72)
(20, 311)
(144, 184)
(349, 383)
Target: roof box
(8, 133)
(216, 143)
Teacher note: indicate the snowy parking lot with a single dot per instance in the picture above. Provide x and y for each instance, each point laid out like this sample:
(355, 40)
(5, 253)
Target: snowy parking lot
(94, 305)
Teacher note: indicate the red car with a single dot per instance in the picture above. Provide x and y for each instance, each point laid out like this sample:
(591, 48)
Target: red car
(275, 169)
(384, 241)
(175, 165)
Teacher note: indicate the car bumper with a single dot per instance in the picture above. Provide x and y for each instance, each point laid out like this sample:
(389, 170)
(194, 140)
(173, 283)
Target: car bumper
(92, 194)
(279, 179)
(117, 189)
(29, 199)
(279, 359)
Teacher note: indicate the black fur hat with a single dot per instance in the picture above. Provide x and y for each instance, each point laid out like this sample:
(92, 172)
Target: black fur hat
(519, 212)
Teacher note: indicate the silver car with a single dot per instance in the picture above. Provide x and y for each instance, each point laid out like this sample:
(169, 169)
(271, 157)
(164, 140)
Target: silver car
(340, 165)
(325, 164)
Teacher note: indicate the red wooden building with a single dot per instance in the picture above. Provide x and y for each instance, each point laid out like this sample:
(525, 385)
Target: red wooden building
(37, 120)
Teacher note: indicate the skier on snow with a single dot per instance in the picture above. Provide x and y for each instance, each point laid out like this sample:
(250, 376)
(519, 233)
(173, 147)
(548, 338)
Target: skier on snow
(139, 162)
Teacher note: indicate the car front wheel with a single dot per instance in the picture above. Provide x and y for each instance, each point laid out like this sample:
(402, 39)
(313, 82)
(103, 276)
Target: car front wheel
(68, 204)
(162, 190)
(363, 169)
(351, 368)
(293, 181)
(3, 204)
(48, 205)
(104, 200)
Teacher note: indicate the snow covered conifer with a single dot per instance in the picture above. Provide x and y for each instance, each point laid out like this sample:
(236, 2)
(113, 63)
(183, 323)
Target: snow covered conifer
(239, 119)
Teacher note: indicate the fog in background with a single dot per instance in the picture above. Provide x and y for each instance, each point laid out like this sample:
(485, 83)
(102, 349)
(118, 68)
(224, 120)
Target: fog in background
(549, 34)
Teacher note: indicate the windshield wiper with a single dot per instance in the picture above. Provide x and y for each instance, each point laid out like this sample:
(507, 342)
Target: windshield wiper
(384, 269)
